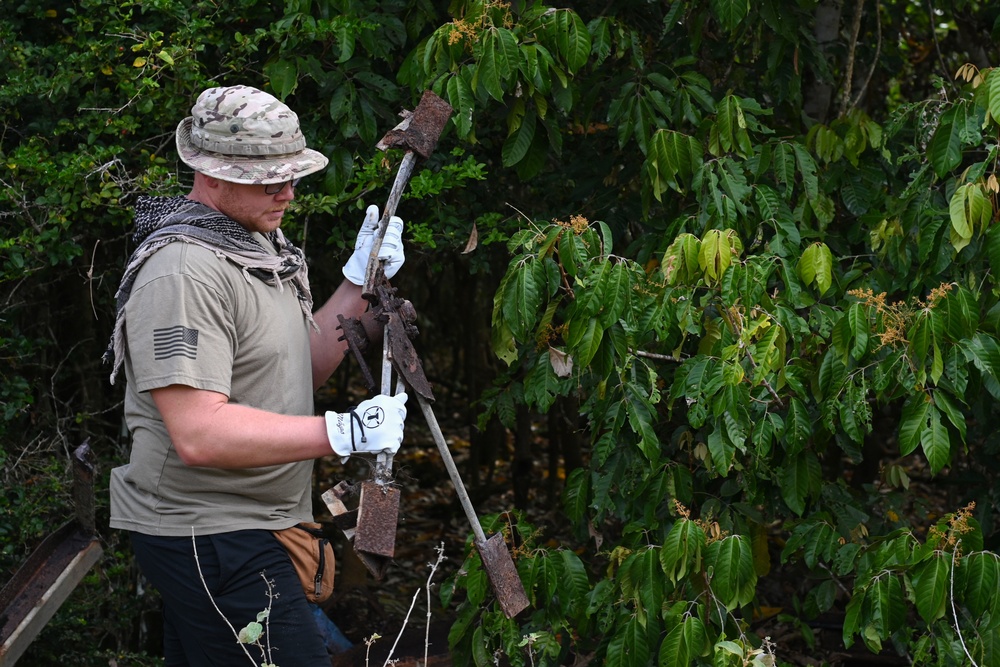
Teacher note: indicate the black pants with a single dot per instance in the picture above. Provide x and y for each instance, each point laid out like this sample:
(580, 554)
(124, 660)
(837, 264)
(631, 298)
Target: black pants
(234, 566)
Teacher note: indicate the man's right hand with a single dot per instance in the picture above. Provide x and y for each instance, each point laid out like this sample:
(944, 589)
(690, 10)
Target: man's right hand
(375, 426)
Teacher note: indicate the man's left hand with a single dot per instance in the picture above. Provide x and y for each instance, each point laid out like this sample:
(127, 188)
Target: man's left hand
(390, 252)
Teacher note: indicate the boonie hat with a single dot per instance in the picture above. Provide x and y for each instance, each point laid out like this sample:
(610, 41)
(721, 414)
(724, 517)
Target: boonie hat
(244, 135)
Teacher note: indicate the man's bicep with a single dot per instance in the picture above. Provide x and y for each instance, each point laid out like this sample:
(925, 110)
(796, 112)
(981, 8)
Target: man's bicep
(186, 410)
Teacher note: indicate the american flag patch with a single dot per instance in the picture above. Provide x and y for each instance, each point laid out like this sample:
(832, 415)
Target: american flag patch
(175, 342)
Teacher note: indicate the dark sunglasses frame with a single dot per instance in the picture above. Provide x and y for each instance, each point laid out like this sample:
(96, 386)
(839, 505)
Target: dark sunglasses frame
(275, 188)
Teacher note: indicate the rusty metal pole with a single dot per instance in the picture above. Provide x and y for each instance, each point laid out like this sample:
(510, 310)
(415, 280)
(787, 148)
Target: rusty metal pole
(497, 561)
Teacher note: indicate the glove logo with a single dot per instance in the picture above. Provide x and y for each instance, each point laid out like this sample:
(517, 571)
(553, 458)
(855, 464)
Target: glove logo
(373, 417)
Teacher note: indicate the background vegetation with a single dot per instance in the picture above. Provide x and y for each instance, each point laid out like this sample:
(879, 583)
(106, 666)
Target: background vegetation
(730, 266)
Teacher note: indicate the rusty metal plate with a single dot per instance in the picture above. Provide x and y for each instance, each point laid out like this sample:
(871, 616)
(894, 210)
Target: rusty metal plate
(378, 514)
(504, 580)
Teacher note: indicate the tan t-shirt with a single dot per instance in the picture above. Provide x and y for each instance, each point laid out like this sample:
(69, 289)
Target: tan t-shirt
(194, 318)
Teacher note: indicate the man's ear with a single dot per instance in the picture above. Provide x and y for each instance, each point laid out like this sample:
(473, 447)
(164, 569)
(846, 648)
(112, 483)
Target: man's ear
(206, 180)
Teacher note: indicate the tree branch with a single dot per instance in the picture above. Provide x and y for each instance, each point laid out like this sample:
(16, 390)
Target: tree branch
(851, 53)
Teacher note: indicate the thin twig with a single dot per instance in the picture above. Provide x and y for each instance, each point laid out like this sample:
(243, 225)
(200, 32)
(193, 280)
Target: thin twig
(201, 576)
(849, 68)
(413, 602)
(954, 614)
(656, 356)
(90, 278)
(427, 630)
(937, 45)
(368, 645)
(878, 50)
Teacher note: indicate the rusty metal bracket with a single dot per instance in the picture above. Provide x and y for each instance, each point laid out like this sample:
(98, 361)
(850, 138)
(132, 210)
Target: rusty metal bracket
(53, 570)
(362, 334)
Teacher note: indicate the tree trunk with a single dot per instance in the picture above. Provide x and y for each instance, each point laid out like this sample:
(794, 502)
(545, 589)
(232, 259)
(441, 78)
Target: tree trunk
(820, 93)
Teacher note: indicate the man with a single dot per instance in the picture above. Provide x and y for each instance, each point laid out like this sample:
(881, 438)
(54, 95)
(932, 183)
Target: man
(222, 352)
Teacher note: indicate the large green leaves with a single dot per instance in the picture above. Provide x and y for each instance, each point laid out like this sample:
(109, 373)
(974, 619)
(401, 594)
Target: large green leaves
(683, 549)
(733, 578)
(730, 12)
(815, 267)
(971, 211)
(958, 127)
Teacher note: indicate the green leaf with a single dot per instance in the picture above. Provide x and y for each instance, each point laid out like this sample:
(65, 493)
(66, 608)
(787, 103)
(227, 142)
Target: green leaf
(251, 633)
(704, 377)
(722, 449)
(283, 76)
(970, 209)
(682, 550)
(640, 418)
(498, 60)
(945, 147)
(885, 597)
(519, 141)
(993, 97)
(680, 261)
(799, 478)
(815, 267)
(616, 289)
(574, 41)
(461, 98)
(820, 544)
(913, 422)
(771, 206)
(730, 12)
(946, 404)
(734, 579)
(574, 584)
(584, 339)
(984, 352)
(807, 169)
(798, 426)
(541, 385)
(857, 319)
(982, 576)
(931, 581)
(576, 494)
(684, 643)
(852, 616)
(480, 654)
(501, 337)
(648, 575)
(716, 254)
(936, 442)
(590, 291)
(629, 647)
(523, 295)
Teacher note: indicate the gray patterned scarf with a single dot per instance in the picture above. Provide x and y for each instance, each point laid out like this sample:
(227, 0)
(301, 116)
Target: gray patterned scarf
(163, 220)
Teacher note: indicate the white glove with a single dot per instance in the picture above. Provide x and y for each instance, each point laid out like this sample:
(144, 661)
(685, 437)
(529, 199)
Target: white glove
(391, 250)
(375, 426)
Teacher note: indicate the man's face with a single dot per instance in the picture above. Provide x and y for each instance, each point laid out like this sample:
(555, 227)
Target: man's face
(253, 208)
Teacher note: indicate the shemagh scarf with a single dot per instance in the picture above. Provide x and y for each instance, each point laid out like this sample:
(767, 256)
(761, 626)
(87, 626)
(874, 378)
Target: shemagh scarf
(163, 220)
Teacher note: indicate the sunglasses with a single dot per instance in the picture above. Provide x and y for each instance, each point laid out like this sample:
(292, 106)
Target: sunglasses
(275, 188)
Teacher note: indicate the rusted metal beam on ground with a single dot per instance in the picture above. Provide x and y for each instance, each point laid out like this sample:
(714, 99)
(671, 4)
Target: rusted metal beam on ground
(37, 590)
(53, 570)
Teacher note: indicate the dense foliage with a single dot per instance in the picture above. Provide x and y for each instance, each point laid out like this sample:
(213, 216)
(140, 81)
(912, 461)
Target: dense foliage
(750, 250)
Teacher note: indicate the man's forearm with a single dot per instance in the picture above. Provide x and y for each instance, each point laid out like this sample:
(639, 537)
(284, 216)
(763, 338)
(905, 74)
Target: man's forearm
(208, 431)
(327, 351)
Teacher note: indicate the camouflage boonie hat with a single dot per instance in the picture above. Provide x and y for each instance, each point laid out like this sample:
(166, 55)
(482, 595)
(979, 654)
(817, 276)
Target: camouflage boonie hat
(244, 135)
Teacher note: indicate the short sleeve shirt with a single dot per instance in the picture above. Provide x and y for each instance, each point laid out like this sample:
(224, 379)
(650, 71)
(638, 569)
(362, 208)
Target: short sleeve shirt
(195, 318)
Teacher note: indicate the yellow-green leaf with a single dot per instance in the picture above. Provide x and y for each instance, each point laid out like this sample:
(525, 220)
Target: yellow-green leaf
(816, 267)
